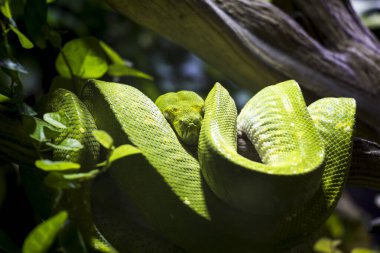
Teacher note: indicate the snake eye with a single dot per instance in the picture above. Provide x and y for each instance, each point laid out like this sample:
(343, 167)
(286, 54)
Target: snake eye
(203, 111)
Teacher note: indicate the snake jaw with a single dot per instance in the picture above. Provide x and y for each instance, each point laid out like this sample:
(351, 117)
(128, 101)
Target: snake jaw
(188, 129)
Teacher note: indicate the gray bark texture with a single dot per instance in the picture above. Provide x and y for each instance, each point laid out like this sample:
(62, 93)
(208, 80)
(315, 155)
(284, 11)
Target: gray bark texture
(320, 43)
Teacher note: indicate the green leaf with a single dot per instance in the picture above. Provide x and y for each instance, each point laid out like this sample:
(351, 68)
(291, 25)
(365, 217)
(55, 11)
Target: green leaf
(53, 37)
(5, 9)
(25, 42)
(48, 165)
(123, 151)
(102, 246)
(4, 99)
(118, 70)
(27, 110)
(85, 58)
(7, 245)
(114, 57)
(41, 131)
(56, 119)
(364, 250)
(103, 138)
(42, 236)
(57, 181)
(67, 144)
(81, 176)
(62, 181)
(326, 245)
(61, 82)
(372, 20)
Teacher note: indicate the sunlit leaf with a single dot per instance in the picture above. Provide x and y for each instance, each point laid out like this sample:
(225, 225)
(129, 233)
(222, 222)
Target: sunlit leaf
(335, 226)
(42, 236)
(40, 130)
(49, 165)
(67, 144)
(326, 245)
(4, 99)
(5, 9)
(123, 151)
(372, 20)
(57, 119)
(114, 57)
(25, 42)
(81, 176)
(85, 58)
(103, 138)
(102, 247)
(118, 70)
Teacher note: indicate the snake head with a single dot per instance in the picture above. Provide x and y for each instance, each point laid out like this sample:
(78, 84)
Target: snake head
(184, 111)
(187, 125)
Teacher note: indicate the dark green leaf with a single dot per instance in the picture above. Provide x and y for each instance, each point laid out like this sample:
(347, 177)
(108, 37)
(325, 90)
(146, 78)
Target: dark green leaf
(42, 236)
(103, 138)
(7, 245)
(49, 165)
(118, 70)
(3, 182)
(25, 42)
(364, 250)
(67, 144)
(53, 37)
(56, 119)
(36, 16)
(27, 110)
(61, 82)
(85, 58)
(57, 181)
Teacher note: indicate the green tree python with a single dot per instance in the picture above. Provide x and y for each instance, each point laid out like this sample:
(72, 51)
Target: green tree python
(218, 200)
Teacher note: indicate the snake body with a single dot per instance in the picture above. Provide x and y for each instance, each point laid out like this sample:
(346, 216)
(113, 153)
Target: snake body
(224, 202)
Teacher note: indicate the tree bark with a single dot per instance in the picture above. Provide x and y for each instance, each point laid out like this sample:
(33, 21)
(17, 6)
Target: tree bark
(320, 43)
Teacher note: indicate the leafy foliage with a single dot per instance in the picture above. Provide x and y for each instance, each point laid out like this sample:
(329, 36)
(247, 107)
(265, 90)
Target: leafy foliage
(103, 138)
(65, 34)
(83, 58)
(48, 165)
(42, 237)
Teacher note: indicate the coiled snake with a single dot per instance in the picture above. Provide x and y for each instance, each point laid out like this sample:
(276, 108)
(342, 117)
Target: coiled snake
(223, 202)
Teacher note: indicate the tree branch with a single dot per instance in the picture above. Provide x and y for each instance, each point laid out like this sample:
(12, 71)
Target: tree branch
(255, 44)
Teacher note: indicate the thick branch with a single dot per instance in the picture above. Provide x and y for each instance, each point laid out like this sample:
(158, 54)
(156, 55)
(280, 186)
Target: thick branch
(256, 44)
(365, 164)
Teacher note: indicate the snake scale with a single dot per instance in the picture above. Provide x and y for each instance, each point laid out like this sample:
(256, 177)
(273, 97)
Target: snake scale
(223, 202)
